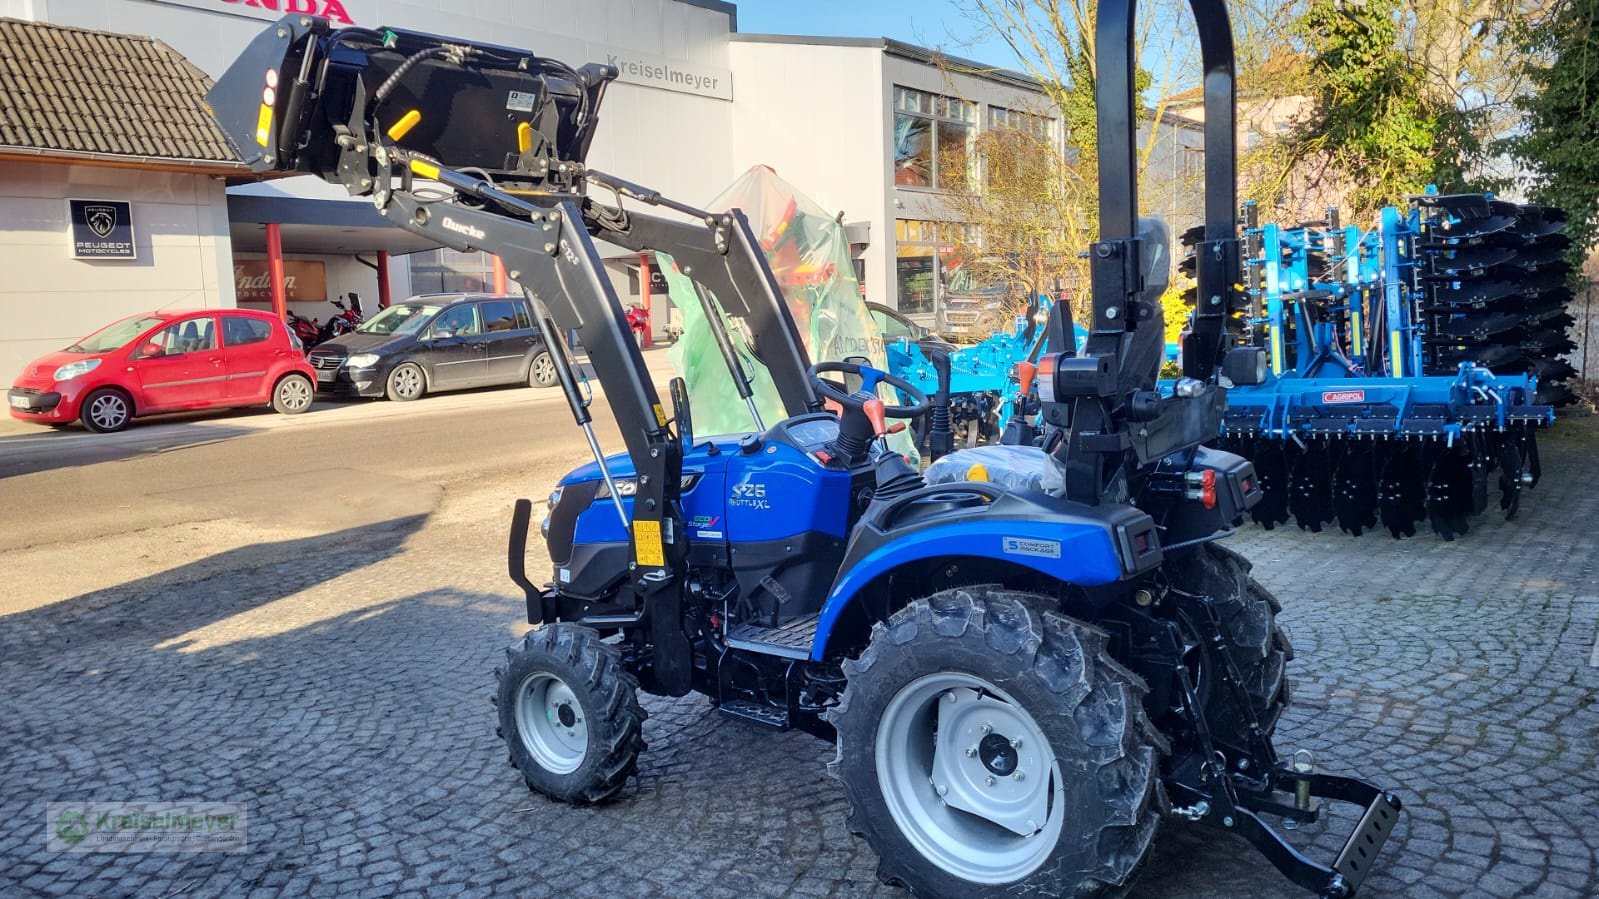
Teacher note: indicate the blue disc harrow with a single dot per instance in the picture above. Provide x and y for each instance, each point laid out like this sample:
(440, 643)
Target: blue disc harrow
(1410, 365)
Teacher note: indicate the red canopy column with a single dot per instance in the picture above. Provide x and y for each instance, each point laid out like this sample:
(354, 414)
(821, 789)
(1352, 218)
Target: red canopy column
(383, 279)
(280, 296)
(499, 276)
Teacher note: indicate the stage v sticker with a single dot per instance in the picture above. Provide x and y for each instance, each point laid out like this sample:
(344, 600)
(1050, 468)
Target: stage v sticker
(1027, 546)
(101, 229)
(1343, 396)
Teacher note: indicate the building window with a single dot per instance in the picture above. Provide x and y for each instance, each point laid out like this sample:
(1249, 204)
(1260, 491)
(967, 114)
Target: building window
(924, 258)
(932, 140)
(1193, 161)
(450, 271)
(1039, 126)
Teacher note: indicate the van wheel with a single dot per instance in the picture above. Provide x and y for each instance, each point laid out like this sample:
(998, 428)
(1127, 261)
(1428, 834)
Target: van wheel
(292, 395)
(406, 383)
(541, 371)
(106, 411)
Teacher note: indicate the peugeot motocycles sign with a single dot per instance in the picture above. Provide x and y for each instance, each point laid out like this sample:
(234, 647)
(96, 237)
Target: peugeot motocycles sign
(101, 229)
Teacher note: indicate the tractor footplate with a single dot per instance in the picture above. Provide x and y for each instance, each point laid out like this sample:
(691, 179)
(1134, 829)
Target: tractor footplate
(790, 641)
(756, 712)
(1359, 854)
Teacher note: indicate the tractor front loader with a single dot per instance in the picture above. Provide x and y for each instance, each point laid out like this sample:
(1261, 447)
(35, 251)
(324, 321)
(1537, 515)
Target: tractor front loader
(1022, 682)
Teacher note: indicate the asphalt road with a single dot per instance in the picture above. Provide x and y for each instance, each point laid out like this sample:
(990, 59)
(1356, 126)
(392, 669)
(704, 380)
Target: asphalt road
(88, 511)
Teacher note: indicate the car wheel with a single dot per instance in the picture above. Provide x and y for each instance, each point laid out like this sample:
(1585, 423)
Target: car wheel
(406, 383)
(106, 410)
(541, 371)
(292, 395)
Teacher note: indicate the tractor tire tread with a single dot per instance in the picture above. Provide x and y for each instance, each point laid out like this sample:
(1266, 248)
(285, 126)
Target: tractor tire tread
(1071, 660)
(594, 670)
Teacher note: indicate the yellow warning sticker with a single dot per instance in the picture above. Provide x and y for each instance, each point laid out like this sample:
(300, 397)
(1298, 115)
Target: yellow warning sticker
(647, 542)
(263, 125)
(660, 415)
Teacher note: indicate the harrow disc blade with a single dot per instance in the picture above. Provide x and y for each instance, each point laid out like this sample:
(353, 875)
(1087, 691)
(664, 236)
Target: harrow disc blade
(1510, 470)
(1534, 221)
(1271, 467)
(1480, 462)
(1355, 488)
(1469, 263)
(1449, 494)
(1310, 488)
(1552, 369)
(1480, 326)
(1401, 500)
(1529, 450)
(1473, 293)
(1554, 395)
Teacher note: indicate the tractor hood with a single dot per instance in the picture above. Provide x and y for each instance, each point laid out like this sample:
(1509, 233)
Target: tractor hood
(698, 460)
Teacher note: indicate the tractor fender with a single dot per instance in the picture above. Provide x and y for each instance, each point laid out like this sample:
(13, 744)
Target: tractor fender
(1085, 550)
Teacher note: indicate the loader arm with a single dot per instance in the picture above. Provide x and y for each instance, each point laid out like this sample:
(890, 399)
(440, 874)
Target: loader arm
(480, 147)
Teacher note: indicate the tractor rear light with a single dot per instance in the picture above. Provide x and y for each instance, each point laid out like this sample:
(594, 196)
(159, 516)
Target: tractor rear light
(1201, 485)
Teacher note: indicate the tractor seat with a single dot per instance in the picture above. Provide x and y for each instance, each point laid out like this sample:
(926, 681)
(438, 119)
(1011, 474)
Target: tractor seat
(1009, 467)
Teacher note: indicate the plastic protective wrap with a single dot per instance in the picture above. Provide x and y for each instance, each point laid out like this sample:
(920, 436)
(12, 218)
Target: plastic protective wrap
(809, 254)
(1010, 467)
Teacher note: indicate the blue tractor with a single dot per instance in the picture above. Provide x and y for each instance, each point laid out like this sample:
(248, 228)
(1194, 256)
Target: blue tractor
(1023, 683)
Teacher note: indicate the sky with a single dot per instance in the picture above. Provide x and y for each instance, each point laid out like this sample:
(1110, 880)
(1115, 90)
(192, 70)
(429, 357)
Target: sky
(940, 24)
(948, 25)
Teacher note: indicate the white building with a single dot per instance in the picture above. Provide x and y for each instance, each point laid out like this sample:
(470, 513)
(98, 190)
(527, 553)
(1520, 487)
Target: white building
(857, 124)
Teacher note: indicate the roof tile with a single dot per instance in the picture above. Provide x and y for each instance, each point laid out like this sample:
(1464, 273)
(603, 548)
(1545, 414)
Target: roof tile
(142, 98)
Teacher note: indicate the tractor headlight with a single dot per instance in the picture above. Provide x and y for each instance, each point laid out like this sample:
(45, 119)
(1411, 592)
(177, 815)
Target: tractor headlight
(74, 369)
(362, 360)
(629, 486)
(555, 496)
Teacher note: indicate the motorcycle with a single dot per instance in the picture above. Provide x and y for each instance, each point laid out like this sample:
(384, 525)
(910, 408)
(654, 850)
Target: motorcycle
(306, 330)
(345, 321)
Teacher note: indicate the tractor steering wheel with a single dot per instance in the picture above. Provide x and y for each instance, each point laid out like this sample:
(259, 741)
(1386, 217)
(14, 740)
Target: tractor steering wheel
(870, 378)
(862, 413)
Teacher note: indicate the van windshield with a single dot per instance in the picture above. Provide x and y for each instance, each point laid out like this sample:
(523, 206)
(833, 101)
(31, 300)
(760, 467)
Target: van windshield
(115, 335)
(406, 318)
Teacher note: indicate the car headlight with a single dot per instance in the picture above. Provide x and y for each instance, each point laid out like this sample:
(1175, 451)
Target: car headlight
(74, 369)
(362, 360)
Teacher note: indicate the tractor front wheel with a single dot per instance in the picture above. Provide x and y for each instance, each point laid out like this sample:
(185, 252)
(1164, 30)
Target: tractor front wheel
(989, 745)
(569, 713)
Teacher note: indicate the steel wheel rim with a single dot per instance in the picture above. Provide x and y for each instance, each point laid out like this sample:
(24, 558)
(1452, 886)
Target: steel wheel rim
(407, 381)
(108, 411)
(294, 393)
(543, 368)
(551, 723)
(913, 754)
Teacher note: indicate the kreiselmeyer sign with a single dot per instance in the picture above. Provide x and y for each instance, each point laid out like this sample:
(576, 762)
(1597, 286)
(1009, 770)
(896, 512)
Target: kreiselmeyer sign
(101, 229)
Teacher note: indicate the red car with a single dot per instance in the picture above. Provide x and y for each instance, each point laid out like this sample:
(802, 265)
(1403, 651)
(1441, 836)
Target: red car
(166, 362)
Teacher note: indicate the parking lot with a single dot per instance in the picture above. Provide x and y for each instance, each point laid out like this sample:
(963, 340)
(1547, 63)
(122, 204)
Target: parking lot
(332, 675)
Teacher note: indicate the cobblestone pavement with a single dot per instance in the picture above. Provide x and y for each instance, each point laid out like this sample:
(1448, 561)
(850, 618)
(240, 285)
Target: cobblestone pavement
(338, 687)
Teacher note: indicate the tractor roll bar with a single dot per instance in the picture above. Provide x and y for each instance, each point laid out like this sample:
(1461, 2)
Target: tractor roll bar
(1118, 108)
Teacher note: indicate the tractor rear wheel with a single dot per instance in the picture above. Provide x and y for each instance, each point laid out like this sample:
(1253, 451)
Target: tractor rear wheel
(989, 745)
(1257, 644)
(569, 713)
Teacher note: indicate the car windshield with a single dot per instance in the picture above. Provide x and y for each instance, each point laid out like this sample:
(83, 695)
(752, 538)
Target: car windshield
(406, 318)
(115, 335)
